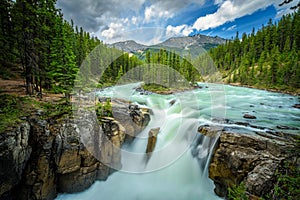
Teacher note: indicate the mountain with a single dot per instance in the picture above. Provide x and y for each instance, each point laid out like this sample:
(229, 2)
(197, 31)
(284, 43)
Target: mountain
(129, 46)
(189, 41)
(193, 44)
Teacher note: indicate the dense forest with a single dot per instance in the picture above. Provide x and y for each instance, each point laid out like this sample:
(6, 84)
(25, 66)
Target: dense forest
(49, 49)
(159, 66)
(266, 58)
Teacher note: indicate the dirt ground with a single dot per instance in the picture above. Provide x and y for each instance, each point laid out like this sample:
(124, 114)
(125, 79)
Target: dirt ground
(17, 87)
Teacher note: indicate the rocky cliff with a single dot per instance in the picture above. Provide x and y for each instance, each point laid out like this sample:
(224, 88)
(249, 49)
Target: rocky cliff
(40, 158)
(251, 159)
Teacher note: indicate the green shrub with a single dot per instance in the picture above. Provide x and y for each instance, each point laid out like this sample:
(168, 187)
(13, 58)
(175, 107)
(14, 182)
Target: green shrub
(237, 192)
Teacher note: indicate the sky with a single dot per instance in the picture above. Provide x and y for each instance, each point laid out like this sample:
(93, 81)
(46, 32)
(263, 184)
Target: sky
(153, 21)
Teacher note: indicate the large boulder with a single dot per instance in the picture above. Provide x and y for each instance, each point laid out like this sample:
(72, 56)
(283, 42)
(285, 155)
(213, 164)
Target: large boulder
(132, 117)
(250, 159)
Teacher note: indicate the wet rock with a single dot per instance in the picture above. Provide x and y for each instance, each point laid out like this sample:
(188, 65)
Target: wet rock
(172, 102)
(151, 142)
(79, 180)
(296, 106)
(142, 91)
(248, 116)
(210, 131)
(286, 127)
(249, 159)
(242, 123)
(140, 116)
(14, 154)
(132, 117)
(257, 127)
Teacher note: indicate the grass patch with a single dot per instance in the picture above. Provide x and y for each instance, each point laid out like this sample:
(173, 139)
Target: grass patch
(237, 192)
(58, 110)
(155, 88)
(13, 108)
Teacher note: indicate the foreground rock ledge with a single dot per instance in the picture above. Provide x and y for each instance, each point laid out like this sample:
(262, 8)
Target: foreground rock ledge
(40, 158)
(249, 159)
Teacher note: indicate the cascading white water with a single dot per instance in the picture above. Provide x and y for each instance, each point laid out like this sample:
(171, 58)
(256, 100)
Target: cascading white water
(172, 171)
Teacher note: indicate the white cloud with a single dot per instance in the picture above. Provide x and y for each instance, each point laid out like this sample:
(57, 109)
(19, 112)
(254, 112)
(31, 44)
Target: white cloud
(229, 11)
(166, 9)
(229, 28)
(93, 15)
(154, 12)
(147, 36)
(134, 20)
(284, 9)
(218, 2)
(184, 30)
(106, 17)
(114, 30)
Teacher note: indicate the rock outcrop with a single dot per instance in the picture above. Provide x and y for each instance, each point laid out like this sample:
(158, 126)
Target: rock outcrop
(250, 159)
(140, 117)
(14, 154)
(40, 158)
(151, 141)
(296, 106)
(248, 116)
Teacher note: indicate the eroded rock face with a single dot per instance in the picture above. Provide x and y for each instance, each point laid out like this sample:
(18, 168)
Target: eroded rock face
(40, 159)
(14, 154)
(139, 117)
(249, 159)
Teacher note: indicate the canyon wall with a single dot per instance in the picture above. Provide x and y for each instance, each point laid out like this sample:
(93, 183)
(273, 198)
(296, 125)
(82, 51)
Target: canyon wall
(40, 158)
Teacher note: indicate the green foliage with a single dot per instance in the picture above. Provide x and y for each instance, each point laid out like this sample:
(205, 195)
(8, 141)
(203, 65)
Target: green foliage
(50, 50)
(288, 177)
(104, 109)
(268, 58)
(237, 192)
(57, 110)
(63, 68)
(13, 108)
(119, 67)
(10, 111)
(155, 88)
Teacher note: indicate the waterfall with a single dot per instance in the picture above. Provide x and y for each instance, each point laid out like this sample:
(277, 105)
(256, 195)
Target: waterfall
(178, 167)
(172, 171)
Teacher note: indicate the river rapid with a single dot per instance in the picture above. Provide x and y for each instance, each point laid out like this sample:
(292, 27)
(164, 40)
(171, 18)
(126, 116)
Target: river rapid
(172, 172)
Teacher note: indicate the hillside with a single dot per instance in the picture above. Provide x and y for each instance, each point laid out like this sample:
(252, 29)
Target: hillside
(195, 45)
(267, 58)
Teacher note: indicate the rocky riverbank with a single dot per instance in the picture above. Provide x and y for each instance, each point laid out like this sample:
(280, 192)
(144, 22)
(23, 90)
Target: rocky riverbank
(40, 158)
(251, 159)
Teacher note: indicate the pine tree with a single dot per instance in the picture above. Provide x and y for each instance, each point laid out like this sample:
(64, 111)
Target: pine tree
(7, 35)
(63, 66)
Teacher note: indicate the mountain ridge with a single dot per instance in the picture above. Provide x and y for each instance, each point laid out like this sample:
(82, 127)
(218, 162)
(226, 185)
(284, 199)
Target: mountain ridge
(176, 43)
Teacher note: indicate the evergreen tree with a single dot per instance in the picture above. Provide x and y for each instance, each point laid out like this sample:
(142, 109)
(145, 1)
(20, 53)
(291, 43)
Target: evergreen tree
(63, 68)
(273, 48)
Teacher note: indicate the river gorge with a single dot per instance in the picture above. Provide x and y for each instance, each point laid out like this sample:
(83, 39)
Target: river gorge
(207, 139)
